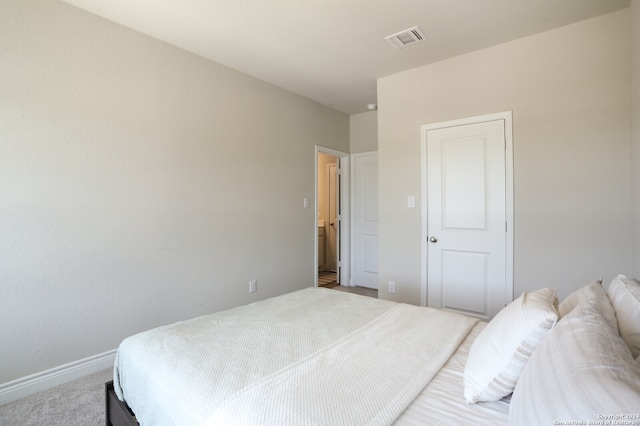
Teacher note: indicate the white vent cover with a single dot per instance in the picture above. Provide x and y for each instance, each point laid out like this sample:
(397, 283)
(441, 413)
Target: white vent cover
(405, 38)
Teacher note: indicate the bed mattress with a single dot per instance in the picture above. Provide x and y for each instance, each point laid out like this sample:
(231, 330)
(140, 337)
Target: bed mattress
(318, 355)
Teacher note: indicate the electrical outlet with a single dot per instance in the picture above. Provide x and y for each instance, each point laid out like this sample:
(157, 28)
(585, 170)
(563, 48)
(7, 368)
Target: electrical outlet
(392, 287)
(253, 286)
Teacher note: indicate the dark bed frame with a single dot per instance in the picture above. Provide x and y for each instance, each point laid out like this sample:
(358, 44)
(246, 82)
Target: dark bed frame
(117, 413)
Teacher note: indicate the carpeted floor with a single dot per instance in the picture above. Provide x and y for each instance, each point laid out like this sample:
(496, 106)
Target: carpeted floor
(77, 403)
(328, 279)
(363, 291)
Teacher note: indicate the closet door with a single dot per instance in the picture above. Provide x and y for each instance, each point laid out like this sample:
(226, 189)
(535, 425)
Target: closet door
(365, 220)
(466, 218)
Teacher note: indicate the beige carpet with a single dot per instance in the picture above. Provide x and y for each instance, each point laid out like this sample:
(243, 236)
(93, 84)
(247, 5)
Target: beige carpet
(363, 291)
(77, 403)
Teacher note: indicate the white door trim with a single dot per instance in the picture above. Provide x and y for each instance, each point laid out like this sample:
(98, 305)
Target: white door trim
(345, 231)
(508, 131)
(331, 254)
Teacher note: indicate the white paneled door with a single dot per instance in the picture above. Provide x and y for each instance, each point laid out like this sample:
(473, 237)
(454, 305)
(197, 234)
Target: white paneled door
(467, 218)
(365, 220)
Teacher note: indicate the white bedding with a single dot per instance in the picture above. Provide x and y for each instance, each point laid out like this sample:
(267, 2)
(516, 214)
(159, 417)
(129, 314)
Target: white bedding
(328, 355)
(442, 401)
(376, 372)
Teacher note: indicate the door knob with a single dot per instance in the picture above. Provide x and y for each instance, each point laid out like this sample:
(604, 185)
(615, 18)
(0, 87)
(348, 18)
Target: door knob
(433, 239)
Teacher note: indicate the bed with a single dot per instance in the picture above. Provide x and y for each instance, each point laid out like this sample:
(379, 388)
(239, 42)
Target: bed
(320, 356)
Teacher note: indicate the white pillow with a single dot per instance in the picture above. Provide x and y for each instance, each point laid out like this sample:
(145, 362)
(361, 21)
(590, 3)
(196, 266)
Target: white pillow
(502, 349)
(582, 370)
(625, 296)
(592, 292)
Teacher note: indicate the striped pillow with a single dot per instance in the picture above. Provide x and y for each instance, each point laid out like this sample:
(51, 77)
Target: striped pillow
(625, 296)
(593, 292)
(501, 351)
(582, 372)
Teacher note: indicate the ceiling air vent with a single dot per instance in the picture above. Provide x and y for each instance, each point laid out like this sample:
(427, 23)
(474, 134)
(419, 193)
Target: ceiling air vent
(406, 38)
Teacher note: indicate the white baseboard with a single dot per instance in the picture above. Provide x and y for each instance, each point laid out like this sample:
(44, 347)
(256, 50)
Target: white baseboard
(53, 377)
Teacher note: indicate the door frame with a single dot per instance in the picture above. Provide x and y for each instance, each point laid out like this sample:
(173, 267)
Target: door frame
(328, 176)
(344, 266)
(508, 133)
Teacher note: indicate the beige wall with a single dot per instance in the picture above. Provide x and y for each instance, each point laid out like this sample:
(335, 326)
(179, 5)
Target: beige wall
(635, 127)
(363, 130)
(139, 185)
(569, 93)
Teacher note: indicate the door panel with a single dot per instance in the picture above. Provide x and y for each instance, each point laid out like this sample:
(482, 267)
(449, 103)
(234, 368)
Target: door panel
(466, 276)
(463, 180)
(365, 220)
(466, 199)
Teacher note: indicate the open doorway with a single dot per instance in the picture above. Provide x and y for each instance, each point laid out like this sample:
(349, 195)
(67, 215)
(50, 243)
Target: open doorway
(332, 242)
(328, 220)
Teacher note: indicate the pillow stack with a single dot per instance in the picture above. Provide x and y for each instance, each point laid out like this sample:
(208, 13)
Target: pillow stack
(584, 369)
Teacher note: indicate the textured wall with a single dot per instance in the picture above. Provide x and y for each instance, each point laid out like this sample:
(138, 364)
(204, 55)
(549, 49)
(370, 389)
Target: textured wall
(363, 130)
(139, 185)
(635, 127)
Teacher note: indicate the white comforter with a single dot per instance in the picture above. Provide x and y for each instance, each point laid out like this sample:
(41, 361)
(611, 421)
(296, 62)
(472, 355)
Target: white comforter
(315, 356)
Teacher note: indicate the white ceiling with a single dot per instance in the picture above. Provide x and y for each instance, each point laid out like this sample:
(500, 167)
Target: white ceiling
(332, 51)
